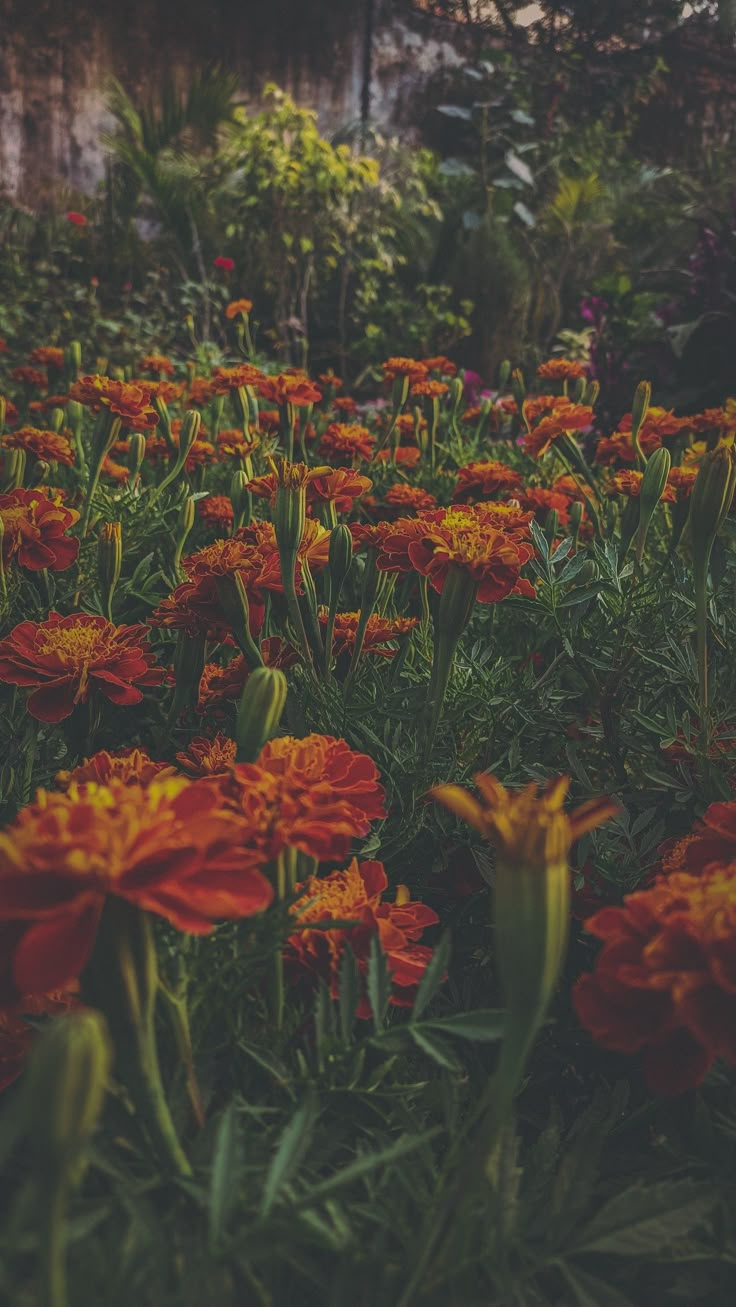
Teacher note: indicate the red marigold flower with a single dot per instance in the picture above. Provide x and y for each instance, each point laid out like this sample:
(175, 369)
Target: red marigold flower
(157, 363)
(429, 389)
(403, 499)
(483, 480)
(711, 419)
(34, 527)
(216, 511)
(26, 376)
(357, 894)
(76, 219)
(232, 441)
(196, 607)
(130, 401)
(65, 658)
(682, 480)
(288, 388)
(329, 379)
(50, 446)
(315, 795)
(665, 980)
(403, 367)
(236, 307)
(169, 848)
(204, 757)
(224, 263)
(115, 471)
(539, 406)
(380, 633)
(561, 369)
(564, 418)
(224, 380)
(406, 456)
(11, 412)
(440, 364)
(458, 537)
(200, 392)
(222, 684)
(339, 487)
(17, 1035)
(345, 404)
(127, 766)
(48, 356)
(345, 442)
(3, 345)
(542, 501)
(628, 483)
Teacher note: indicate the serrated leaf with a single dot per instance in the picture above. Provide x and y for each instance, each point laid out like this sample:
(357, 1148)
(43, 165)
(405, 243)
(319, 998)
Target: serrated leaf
(645, 1220)
(226, 1172)
(378, 983)
(290, 1151)
(434, 976)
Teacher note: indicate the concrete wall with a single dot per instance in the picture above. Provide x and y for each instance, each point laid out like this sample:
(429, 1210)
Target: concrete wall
(57, 55)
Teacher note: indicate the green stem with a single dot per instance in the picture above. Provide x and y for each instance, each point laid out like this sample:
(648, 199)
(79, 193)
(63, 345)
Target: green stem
(53, 1244)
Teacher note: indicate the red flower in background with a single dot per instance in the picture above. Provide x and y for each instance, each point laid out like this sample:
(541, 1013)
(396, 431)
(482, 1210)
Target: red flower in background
(16, 1035)
(34, 527)
(128, 766)
(357, 893)
(204, 757)
(482, 480)
(76, 219)
(65, 658)
(224, 263)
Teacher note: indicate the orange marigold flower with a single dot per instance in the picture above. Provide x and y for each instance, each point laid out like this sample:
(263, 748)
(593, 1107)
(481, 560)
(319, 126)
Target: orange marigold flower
(345, 404)
(539, 406)
(402, 499)
(289, 389)
(380, 633)
(17, 1034)
(440, 364)
(127, 400)
(115, 471)
(168, 391)
(406, 456)
(345, 442)
(329, 379)
(541, 501)
(714, 838)
(48, 356)
(51, 446)
(628, 483)
(195, 605)
(429, 389)
(169, 848)
(216, 511)
(11, 412)
(482, 480)
(712, 419)
(65, 658)
(315, 795)
(158, 363)
(682, 479)
(235, 444)
(340, 487)
(30, 377)
(34, 527)
(200, 392)
(220, 685)
(434, 542)
(224, 380)
(564, 418)
(236, 307)
(403, 367)
(128, 766)
(561, 369)
(205, 757)
(356, 894)
(665, 979)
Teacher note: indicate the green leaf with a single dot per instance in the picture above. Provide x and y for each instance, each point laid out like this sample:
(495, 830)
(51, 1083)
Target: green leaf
(434, 1047)
(290, 1151)
(379, 983)
(526, 215)
(226, 1172)
(349, 993)
(455, 111)
(434, 976)
(484, 1026)
(645, 1220)
(590, 1291)
(519, 168)
(365, 1165)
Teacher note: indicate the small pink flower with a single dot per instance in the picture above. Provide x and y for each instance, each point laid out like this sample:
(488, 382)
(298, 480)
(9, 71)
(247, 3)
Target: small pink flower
(224, 263)
(77, 219)
(94, 281)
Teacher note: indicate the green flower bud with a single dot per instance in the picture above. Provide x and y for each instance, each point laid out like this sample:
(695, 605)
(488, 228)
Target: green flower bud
(136, 453)
(189, 660)
(184, 524)
(73, 361)
(241, 499)
(577, 513)
(15, 469)
(340, 557)
(551, 525)
(457, 390)
(592, 391)
(40, 473)
(639, 410)
(504, 372)
(259, 711)
(109, 561)
(578, 391)
(188, 434)
(399, 392)
(67, 1077)
(712, 494)
(518, 388)
(653, 483)
(56, 419)
(3, 412)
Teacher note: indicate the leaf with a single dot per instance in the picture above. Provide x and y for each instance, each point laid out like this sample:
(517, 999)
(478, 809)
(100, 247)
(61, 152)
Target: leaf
(562, 550)
(290, 1151)
(456, 168)
(378, 983)
(434, 976)
(526, 215)
(519, 168)
(540, 540)
(349, 993)
(580, 595)
(434, 1047)
(590, 1291)
(455, 111)
(484, 1026)
(226, 1172)
(645, 1220)
(521, 116)
(365, 1165)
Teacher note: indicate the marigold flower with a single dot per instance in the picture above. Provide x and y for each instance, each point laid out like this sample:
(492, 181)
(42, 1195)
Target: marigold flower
(48, 356)
(484, 479)
(50, 446)
(204, 757)
(34, 527)
(315, 795)
(356, 893)
(339, 487)
(345, 404)
(330, 379)
(236, 307)
(406, 456)
(664, 982)
(158, 363)
(195, 606)
(65, 658)
(435, 542)
(682, 479)
(429, 389)
(169, 848)
(167, 391)
(380, 633)
(115, 471)
(224, 380)
(402, 499)
(345, 442)
(232, 441)
(404, 367)
(564, 418)
(289, 389)
(542, 501)
(125, 399)
(222, 684)
(561, 370)
(11, 412)
(439, 363)
(216, 511)
(76, 219)
(200, 392)
(628, 483)
(126, 766)
(27, 376)
(539, 406)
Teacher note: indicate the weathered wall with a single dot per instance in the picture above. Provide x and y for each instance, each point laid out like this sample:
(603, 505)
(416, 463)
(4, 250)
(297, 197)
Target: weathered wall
(57, 55)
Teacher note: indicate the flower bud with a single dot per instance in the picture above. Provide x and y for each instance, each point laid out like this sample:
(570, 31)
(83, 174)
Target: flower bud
(712, 494)
(577, 512)
(399, 392)
(592, 391)
(191, 423)
(40, 473)
(3, 412)
(551, 525)
(518, 388)
(457, 390)
(56, 419)
(236, 606)
(259, 711)
(73, 361)
(67, 1077)
(578, 391)
(109, 561)
(639, 410)
(241, 499)
(340, 557)
(504, 372)
(289, 513)
(136, 453)
(652, 487)
(14, 470)
(184, 524)
(189, 660)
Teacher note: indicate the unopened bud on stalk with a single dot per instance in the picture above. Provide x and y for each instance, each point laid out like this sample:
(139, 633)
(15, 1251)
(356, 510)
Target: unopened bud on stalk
(3, 412)
(712, 494)
(236, 605)
(518, 388)
(592, 391)
(290, 506)
(40, 473)
(109, 562)
(56, 419)
(576, 520)
(191, 423)
(340, 557)
(504, 372)
(241, 499)
(67, 1077)
(457, 389)
(578, 390)
(184, 524)
(551, 525)
(652, 487)
(241, 406)
(189, 660)
(399, 392)
(259, 711)
(639, 410)
(73, 361)
(136, 453)
(14, 470)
